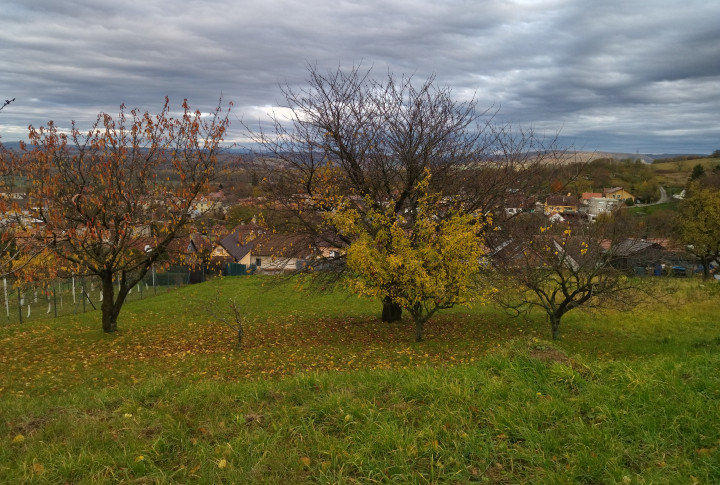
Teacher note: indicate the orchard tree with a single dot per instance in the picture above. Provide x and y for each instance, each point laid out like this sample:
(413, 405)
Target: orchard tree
(559, 268)
(111, 200)
(425, 261)
(699, 225)
(16, 247)
(374, 140)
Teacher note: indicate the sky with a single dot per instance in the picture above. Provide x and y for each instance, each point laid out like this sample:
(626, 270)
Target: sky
(607, 75)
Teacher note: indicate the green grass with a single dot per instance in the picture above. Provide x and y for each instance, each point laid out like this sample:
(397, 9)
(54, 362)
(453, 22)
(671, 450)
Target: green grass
(649, 209)
(324, 393)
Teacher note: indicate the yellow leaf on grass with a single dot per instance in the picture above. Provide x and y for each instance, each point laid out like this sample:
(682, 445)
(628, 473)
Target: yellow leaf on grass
(139, 458)
(305, 460)
(222, 463)
(18, 438)
(38, 468)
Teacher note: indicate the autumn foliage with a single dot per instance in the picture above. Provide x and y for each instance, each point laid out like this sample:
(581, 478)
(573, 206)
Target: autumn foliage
(425, 260)
(111, 200)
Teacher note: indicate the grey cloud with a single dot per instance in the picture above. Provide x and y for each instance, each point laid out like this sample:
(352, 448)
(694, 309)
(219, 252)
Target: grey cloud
(608, 71)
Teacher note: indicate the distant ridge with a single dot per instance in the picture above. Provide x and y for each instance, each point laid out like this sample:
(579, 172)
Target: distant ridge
(570, 155)
(645, 157)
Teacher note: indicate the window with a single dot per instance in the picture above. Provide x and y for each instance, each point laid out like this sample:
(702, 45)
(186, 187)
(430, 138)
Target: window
(258, 261)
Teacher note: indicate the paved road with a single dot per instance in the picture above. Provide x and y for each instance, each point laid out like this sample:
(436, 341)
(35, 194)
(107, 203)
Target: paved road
(663, 198)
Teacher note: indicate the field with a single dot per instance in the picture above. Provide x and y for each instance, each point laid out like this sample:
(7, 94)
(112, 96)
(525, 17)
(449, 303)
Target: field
(675, 174)
(322, 392)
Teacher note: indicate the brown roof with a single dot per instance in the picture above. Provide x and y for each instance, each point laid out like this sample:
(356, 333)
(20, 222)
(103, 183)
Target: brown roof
(612, 190)
(283, 245)
(237, 243)
(565, 200)
(591, 195)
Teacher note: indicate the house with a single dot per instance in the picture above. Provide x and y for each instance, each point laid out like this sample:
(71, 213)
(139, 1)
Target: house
(601, 205)
(586, 196)
(275, 253)
(561, 204)
(648, 256)
(250, 245)
(231, 248)
(516, 204)
(618, 193)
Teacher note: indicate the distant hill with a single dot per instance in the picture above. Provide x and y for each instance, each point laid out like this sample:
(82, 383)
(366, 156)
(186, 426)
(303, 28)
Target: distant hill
(588, 156)
(571, 156)
(645, 157)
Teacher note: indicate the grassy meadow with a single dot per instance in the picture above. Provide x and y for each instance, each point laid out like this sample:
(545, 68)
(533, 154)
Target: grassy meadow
(322, 392)
(675, 174)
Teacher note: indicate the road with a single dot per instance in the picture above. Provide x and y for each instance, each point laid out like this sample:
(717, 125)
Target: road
(663, 198)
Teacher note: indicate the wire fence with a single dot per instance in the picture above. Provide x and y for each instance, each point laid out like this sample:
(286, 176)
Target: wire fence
(23, 302)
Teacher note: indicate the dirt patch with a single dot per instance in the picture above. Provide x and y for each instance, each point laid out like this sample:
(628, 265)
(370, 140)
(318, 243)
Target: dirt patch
(548, 354)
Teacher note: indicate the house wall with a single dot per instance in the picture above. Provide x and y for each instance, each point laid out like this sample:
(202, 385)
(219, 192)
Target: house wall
(621, 194)
(602, 205)
(219, 252)
(271, 263)
(549, 209)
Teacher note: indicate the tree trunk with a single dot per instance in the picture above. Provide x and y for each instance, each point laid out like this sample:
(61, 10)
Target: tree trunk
(111, 305)
(109, 316)
(391, 312)
(555, 324)
(239, 335)
(419, 329)
(706, 267)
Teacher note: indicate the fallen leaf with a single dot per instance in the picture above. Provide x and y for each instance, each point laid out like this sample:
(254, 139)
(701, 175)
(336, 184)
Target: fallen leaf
(305, 460)
(222, 463)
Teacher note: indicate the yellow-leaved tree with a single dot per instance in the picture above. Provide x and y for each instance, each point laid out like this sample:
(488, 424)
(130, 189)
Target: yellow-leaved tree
(425, 259)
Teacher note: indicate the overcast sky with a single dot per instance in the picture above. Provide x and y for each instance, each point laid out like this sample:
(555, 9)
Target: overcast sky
(609, 75)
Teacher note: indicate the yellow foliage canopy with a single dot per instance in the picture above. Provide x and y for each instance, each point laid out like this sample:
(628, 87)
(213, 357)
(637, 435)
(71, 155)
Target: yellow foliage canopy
(424, 261)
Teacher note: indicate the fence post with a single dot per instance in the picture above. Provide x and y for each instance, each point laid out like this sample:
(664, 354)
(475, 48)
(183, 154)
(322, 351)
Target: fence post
(7, 302)
(54, 301)
(19, 305)
(82, 285)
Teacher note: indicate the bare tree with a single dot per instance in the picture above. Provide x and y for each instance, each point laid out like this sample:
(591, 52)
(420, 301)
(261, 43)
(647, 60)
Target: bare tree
(560, 268)
(228, 313)
(348, 135)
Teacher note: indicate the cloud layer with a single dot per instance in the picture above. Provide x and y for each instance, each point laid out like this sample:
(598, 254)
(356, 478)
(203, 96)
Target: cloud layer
(611, 75)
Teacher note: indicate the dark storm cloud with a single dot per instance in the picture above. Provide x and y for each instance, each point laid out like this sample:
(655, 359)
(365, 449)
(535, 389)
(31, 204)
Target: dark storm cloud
(611, 75)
